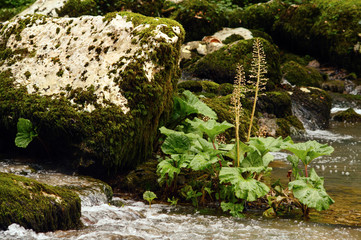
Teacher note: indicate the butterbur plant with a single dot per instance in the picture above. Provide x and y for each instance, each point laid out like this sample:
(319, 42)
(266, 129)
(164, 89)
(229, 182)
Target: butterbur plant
(258, 72)
(26, 133)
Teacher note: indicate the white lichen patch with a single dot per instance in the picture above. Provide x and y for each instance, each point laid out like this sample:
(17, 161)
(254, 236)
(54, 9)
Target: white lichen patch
(82, 53)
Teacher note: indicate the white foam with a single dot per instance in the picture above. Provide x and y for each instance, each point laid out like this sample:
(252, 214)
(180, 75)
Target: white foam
(340, 109)
(326, 135)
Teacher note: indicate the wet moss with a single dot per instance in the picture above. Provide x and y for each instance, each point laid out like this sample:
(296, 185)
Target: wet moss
(37, 206)
(334, 86)
(299, 75)
(220, 66)
(349, 116)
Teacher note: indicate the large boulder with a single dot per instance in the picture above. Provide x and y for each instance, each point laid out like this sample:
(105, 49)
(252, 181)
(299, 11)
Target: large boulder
(37, 206)
(299, 75)
(96, 88)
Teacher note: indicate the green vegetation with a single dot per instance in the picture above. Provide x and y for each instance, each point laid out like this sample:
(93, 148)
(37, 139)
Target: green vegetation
(37, 206)
(299, 75)
(26, 133)
(9, 8)
(149, 196)
(348, 116)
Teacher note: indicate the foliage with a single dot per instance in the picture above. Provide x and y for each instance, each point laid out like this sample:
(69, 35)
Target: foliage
(26, 133)
(9, 8)
(149, 196)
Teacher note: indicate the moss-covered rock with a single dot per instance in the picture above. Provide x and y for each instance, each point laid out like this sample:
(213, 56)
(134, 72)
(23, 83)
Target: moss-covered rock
(9, 9)
(220, 66)
(299, 75)
(334, 86)
(37, 206)
(277, 103)
(302, 60)
(312, 106)
(349, 116)
(118, 76)
(288, 126)
(262, 16)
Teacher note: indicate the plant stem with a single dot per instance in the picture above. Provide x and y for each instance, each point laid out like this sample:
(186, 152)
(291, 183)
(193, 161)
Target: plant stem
(237, 137)
(219, 161)
(306, 171)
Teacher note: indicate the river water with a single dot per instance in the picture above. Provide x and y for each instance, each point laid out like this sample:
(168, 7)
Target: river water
(135, 220)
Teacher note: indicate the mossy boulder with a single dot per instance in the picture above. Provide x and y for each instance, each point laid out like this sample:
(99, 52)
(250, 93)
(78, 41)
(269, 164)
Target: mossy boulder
(277, 103)
(262, 16)
(299, 75)
(328, 29)
(312, 106)
(37, 206)
(95, 87)
(221, 65)
(349, 116)
(202, 18)
(199, 86)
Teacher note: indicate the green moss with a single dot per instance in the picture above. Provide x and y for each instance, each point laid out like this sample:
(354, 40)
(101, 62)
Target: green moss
(277, 103)
(193, 86)
(301, 76)
(225, 89)
(262, 16)
(37, 206)
(287, 56)
(220, 66)
(232, 38)
(9, 9)
(76, 8)
(349, 116)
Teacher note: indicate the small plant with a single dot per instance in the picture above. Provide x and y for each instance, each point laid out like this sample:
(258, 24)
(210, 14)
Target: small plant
(173, 201)
(149, 196)
(26, 133)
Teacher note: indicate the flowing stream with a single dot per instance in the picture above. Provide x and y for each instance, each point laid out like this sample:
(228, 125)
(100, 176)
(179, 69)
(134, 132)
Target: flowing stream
(135, 220)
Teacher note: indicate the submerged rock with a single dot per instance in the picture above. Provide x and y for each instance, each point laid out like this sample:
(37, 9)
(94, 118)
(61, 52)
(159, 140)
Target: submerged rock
(37, 206)
(96, 88)
(347, 116)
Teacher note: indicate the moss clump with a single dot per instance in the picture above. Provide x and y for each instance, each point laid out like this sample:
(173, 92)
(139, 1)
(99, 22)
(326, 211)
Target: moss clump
(262, 16)
(220, 66)
(101, 141)
(9, 9)
(37, 206)
(232, 38)
(277, 103)
(299, 75)
(349, 116)
(225, 89)
(287, 57)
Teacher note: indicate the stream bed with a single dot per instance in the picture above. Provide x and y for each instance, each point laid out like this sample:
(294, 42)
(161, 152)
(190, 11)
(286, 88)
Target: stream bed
(135, 220)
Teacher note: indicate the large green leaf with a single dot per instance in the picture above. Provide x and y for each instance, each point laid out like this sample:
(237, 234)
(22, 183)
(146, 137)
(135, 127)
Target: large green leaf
(269, 144)
(172, 166)
(202, 161)
(310, 191)
(176, 144)
(212, 128)
(307, 151)
(249, 189)
(243, 148)
(188, 104)
(235, 209)
(25, 134)
(255, 159)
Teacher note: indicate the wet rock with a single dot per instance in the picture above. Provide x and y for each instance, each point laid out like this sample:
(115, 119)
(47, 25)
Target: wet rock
(334, 86)
(312, 106)
(37, 206)
(277, 103)
(348, 116)
(95, 87)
